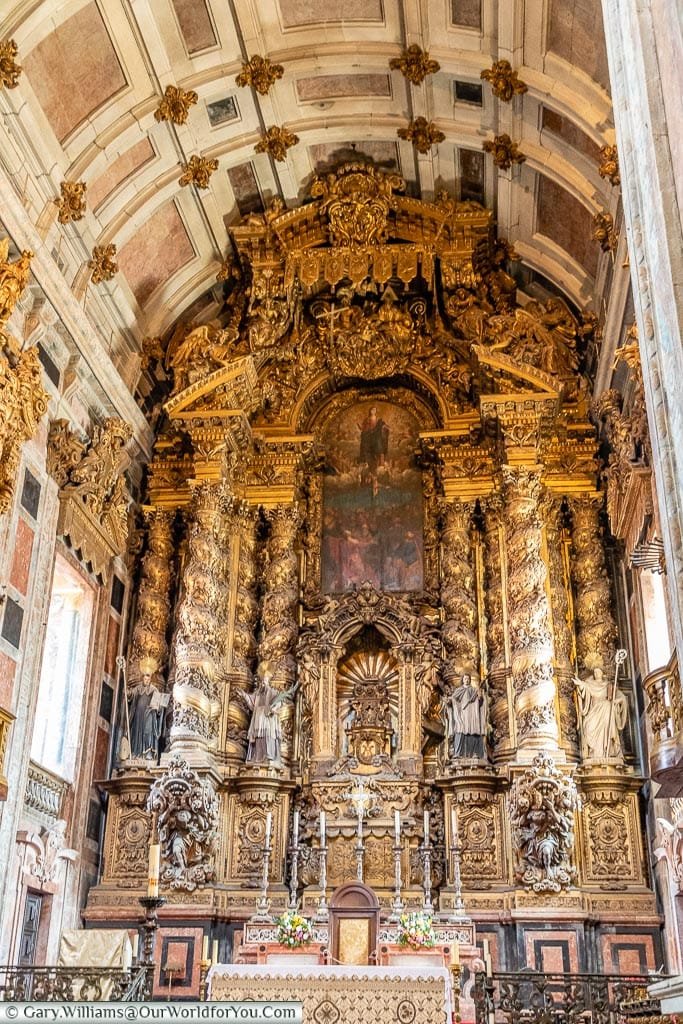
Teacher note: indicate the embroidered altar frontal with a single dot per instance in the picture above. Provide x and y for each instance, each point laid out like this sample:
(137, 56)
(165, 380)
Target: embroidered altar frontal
(329, 995)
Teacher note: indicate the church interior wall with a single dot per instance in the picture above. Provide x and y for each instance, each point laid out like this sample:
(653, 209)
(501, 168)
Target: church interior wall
(224, 538)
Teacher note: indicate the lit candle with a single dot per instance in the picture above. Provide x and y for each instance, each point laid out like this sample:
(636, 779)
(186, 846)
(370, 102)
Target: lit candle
(487, 958)
(295, 829)
(214, 951)
(153, 865)
(322, 828)
(426, 828)
(454, 825)
(205, 948)
(455, 954)
(136, 944)
(397, 827)
(269, 825)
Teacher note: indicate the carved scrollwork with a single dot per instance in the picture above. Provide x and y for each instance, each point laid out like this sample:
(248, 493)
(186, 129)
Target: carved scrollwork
(186, 809)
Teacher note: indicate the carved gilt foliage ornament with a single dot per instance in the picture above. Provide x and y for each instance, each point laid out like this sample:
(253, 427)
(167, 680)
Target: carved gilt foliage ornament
(103, 264)
(260, 73)
(422, 133)
(72, 201)
(198, 171)
(504, 82)
(505, 152)
(9, 69)
(175, 105)
(276, 142)
(414, 64)
(23, 400)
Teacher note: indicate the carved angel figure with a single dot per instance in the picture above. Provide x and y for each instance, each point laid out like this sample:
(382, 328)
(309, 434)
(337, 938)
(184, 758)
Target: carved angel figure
(187, 817)
(200, 352)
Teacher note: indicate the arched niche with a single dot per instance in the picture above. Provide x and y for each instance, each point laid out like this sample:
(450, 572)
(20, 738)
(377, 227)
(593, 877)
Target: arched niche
(413, 643)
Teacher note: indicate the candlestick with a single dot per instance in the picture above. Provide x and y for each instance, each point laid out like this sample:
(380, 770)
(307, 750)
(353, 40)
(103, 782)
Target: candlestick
(397, 905)
(397, 828)
(426, 827)
(136, 944)
(360, 824)
(153, 865)
(261, 914)
(322, 914)
(322, 828)
(269, 826)
(295, 830)
(427, 869)
(360, 849)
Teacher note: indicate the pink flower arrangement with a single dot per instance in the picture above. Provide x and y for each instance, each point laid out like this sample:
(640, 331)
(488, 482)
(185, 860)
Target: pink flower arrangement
(415, 930)
(293, 930)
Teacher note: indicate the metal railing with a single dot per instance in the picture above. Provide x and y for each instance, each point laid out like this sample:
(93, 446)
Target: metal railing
(79, 984)
(531, 997)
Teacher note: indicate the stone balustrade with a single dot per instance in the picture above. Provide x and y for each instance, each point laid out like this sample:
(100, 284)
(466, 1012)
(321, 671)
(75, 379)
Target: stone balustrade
(665, 713)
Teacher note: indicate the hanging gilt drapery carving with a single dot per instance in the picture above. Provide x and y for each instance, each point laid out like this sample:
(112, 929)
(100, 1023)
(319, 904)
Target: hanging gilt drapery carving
(93, 496)
(23, 400)
(199, 642)
(531, 642)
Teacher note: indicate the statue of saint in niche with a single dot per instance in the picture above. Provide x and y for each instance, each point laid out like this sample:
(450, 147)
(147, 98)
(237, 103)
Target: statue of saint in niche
(265, 731)
(146, 709)
(603, 712)
(465, 719)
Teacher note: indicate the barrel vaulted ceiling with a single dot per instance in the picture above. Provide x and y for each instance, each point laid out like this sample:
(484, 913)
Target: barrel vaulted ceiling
(94, 72)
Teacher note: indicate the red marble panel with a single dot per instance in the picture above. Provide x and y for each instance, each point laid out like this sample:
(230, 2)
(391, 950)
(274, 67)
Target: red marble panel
(567, 222)
(21, 557)
(567, 130)
(195, 24)
(554, 952)
(576, 33)
(628, 954)
(322, 87)
(159, 248)
(118, 170)
(112, 647)
(466, 13)
(7, 669)
(74, 70)
(193, 937)
(298, 13)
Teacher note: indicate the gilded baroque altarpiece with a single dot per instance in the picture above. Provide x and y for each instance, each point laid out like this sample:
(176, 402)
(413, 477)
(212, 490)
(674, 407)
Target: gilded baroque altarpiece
(375, 495)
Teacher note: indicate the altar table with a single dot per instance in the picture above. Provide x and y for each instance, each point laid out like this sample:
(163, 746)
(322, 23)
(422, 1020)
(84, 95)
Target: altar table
(337, 994)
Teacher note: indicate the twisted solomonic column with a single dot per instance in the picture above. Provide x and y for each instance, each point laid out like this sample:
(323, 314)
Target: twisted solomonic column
(458, 590)
(529, 612)
(153, 611)
(279, 623)
(556, 543)
(243, 527)
(596, 631)
(200, 639)
(496, 625)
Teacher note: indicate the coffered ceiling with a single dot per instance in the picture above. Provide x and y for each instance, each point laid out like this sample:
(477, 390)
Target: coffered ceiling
(94, 74)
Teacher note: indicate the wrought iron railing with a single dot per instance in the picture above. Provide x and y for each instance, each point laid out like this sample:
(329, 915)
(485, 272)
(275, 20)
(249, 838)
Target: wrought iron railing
(80, 984)
(531, 997)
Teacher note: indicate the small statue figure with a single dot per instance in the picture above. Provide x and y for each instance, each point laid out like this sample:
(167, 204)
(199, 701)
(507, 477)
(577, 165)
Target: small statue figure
(465, 719)
(603, 715)
(265, 731)
(186, 810)
(146, 713)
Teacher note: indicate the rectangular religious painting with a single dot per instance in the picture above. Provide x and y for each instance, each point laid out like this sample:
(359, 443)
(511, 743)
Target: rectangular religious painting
(372, 500)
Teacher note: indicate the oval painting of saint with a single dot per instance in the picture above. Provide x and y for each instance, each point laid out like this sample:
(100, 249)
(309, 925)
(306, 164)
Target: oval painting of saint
(372, 500)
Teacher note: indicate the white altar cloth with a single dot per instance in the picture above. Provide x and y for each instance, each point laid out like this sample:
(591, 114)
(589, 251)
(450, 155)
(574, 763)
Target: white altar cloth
(341, 993)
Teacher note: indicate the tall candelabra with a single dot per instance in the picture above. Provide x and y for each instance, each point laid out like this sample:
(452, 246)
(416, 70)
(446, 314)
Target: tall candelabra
(360, 849)
(150, 905)
(262, 914)
(294, 875)
(322, 914)
(427, 875)
(397, 905)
